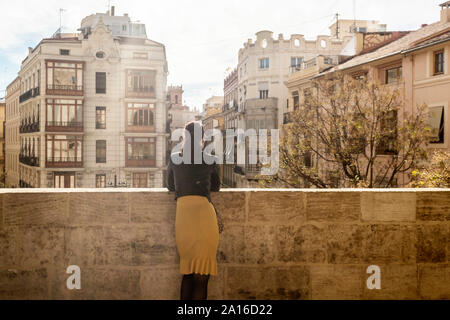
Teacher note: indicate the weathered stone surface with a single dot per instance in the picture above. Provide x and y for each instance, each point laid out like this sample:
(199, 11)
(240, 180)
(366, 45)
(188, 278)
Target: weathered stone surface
(260, 283)
(306, 243)
(84, 246)
(433, 206)
(40, 246)
(232, 245)
(333, 206)
(1, 212)
(152, 207)
(106, 283)
(389, 244)
(339, 282)
(35, 208)
(117, 245)
(8, 244)
(23, 284)
(398, 282)
(260, 244)
(161, 283)
(153, 244)
(432, 241)
(230, 205)
(276, 207)
(345, 243)
(434, 281)
(393, 207)
(216, 284)
(98, 208)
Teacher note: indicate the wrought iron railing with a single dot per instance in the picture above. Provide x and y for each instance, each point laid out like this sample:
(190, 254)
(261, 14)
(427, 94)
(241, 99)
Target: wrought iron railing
(64, 87)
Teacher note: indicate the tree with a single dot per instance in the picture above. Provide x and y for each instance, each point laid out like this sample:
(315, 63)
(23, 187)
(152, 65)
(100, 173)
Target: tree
(351, 133)
(435, 175)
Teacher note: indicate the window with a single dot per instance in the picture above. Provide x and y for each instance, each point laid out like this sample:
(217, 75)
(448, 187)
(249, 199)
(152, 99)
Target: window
(100, 180)
(296, 61)
(141, 83)
(124, 27)
(436, 122)
(296, 99)
(100, 55)
(388, 134)
(64, 149)
(263, 94)
(64, 52)
(64, 113)
(439, 62)
(140, 180)
(140, 152)
(100, 118)
(141, 116)
(64, 76)
(64, 180)
(264, 63)
(393, 75)
(100, 82)
(100, 150)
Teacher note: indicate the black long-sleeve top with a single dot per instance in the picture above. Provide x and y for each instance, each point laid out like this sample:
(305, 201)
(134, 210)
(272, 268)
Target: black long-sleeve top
(193, 179)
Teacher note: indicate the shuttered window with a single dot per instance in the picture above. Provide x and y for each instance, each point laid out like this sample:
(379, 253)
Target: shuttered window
(100, 82)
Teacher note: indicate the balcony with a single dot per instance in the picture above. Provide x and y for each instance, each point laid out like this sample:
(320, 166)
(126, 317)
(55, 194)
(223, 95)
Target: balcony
(140, 162)
(294, 244)
(29, 94)
(30, 161)
(65, 90)
(63, 162)
(64, 126)
(30, 127)
(23, 184)
(145, 92)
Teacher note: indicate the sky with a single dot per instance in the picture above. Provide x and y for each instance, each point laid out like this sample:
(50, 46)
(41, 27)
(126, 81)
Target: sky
(202, 37)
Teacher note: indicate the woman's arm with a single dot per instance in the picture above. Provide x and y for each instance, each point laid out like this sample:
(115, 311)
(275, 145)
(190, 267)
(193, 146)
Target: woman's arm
(215, 178)
(170, 179)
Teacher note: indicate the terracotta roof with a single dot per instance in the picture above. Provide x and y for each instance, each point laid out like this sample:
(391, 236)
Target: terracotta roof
(441, 37)
(396, 47)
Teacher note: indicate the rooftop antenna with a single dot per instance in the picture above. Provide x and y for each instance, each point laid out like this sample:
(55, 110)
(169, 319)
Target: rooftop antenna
(61, 10)
(337, 26)
(354, 13)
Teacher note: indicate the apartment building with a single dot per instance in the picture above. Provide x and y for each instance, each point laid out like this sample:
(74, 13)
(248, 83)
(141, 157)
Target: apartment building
(2, 141)
(415, 62)
(93, 108)
(12, 135)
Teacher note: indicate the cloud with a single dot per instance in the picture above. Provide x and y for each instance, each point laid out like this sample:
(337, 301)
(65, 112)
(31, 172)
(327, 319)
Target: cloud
(202, 37)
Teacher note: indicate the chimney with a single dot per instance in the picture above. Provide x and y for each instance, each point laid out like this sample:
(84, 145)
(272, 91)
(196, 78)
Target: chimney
(280, 36)
(445, 12)
(30, 49)
(112, 11)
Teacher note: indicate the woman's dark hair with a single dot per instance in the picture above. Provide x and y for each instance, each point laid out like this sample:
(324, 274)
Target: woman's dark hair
(195, 131)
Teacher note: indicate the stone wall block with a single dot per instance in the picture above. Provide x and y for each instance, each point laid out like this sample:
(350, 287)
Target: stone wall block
(433, 206)
(92, 208)
(152, 207)
(31, 209)
(333, 206)
(388, 207)
(273, 283)
(307, 243)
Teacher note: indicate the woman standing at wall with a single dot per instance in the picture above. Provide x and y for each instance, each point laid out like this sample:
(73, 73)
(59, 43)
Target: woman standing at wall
(196, 227)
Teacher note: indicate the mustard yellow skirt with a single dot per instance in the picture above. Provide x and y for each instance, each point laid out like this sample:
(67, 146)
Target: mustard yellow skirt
(197, 235)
